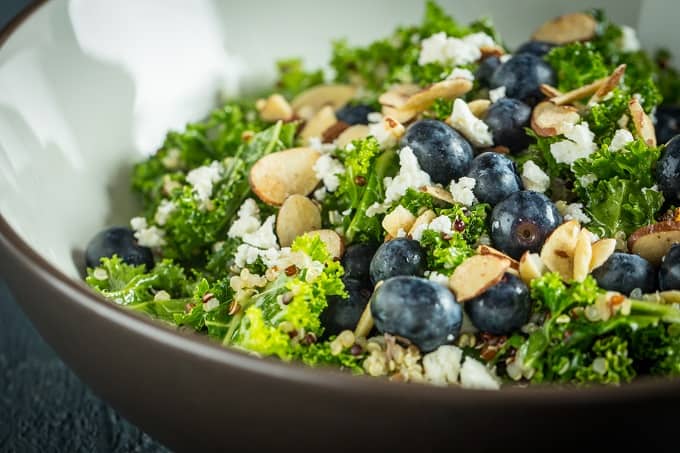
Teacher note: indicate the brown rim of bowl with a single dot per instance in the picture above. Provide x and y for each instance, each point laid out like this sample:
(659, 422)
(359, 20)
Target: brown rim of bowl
(79, 293)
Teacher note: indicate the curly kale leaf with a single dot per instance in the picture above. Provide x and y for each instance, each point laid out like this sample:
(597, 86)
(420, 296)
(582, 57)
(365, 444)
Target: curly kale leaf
(444, 255)
(319, 354)
(656, 349)
(293, 79)
(576, 65)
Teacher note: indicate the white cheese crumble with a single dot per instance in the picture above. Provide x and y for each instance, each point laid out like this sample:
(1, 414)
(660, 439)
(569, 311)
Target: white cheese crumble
(410, 176)
(440, 48)
(472, 128)
(374, 117)
(438, 278)
(203, 178)
(387, 132)
(580, 143)
(587, 179)
(460, 73)
(377, 208)
(248, 220)
(211, 304)
(147, 236)
(320, 193)
(505, 58)
(534, 178)
(475, 375)
(317, 144)
(441, 224)
(264, 237)
(462, 191)
(497, 94)
(629, 40)
(163, 212)
(621, 138)
(572, 211)
(442, 365)
(327, 170)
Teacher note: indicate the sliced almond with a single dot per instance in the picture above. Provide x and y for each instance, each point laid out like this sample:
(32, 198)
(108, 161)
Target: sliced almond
(601, 251)
(399, 219)
(333, 132)
(652, 242)
(298, 215)
(312, 100)
(550, 91)
(439, 193)
(487, 250)
(356, 132)
(273, 185)
(531, 267)
(403, 116)
(583, 254)
(423, 219)
(479, 107)
(274, 108)
(670, 297)
(333, 241)
(446, 89)
(568, 28)
(491, 51)
(549, 120)
(397, 95)
(477, 274)
(317, 124)
(365, 324)
(608, 86)
(579, 93)
(644, 127)
(558, 250)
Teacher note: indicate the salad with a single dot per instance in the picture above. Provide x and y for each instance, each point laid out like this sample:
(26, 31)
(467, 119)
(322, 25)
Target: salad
(440, 210)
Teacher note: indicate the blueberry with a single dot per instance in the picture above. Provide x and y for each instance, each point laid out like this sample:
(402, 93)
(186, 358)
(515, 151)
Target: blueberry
(669, 273)
(486, 69)
(399, 256)
(507, 119)
(522, 222)
(624, 272)
(441, 151)
(117, 241)
(501, 309)
(537, 48)
(496, 177)
(424, 312)
(343, 314)
(354, 114)
(668, 171)
(667, 123)
(522, 77)
(357, 261)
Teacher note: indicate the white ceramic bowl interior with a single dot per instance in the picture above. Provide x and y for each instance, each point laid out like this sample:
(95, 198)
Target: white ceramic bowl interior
(88, 87)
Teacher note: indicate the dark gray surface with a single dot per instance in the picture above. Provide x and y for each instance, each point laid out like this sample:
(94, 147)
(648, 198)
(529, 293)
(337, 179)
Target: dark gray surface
(44, 407)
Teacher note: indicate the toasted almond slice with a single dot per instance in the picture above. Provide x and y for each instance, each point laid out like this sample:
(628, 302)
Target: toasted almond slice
(312, 100)
(601, 251)
(423, 219)
(487, 250)
(446, 89)
(531, 267)
(491, 51)
(273, 185)
(550, 91)
(403, 116)
(397, 95)
(274, 108)
(583, 254)
(334, 132)
(568, 28)
(356, 132)
(333, 241)
(643, 124)
(399, 219)
(558, 250)
(477, 274)
(365, 324)
(439, 193)
(548, 119)
(652, 242)
(579, 93)
(316, 125)
(298, 215)
(479, 107)
(612, 82)
(670, 297)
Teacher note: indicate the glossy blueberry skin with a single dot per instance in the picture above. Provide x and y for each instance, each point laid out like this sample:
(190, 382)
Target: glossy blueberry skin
(357, 261)
(507, 119)
(441, 151)
(354, 114)
(343, 314)
(668, 171)
(624, 272)
(502, 309)
(486, 69)
(667, 123)
(424, 312)
(522, 222)
(522, 77)
(496, 177)
(399, 256)
(117, 241)
(669, 272)
(537, 48)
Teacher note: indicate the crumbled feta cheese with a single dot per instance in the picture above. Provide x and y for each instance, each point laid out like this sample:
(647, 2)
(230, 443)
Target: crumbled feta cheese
(460, 73)
(327, 170)
(401, 233)
(587, 179)
(474, 129)
(248, 220)
(479, 40)
(317, 144)
(534, 178)
(442, 365)
(440, 48)
(462, 191)
(264, 237)
(580, 143)
(387, 132)
(410, 176)
(246, 254)
(497, 94)
(417, 232)
(147, 236)
(441, 224)
(629, 40)
(374, 117)
(505, 58)
(475, 375)
(377, 208)
(320, 193)
(621, 138)
(165, 208)
(203, 178)
(438, 278)
(573, 211)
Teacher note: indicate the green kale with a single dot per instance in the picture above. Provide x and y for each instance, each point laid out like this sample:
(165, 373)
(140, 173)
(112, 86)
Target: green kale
(656, 349)
(293, 79)
(471, 219)
(444, 255)
(668, 78)
(319, 354)
(416, 201)
(603, 117)
(576, 65)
